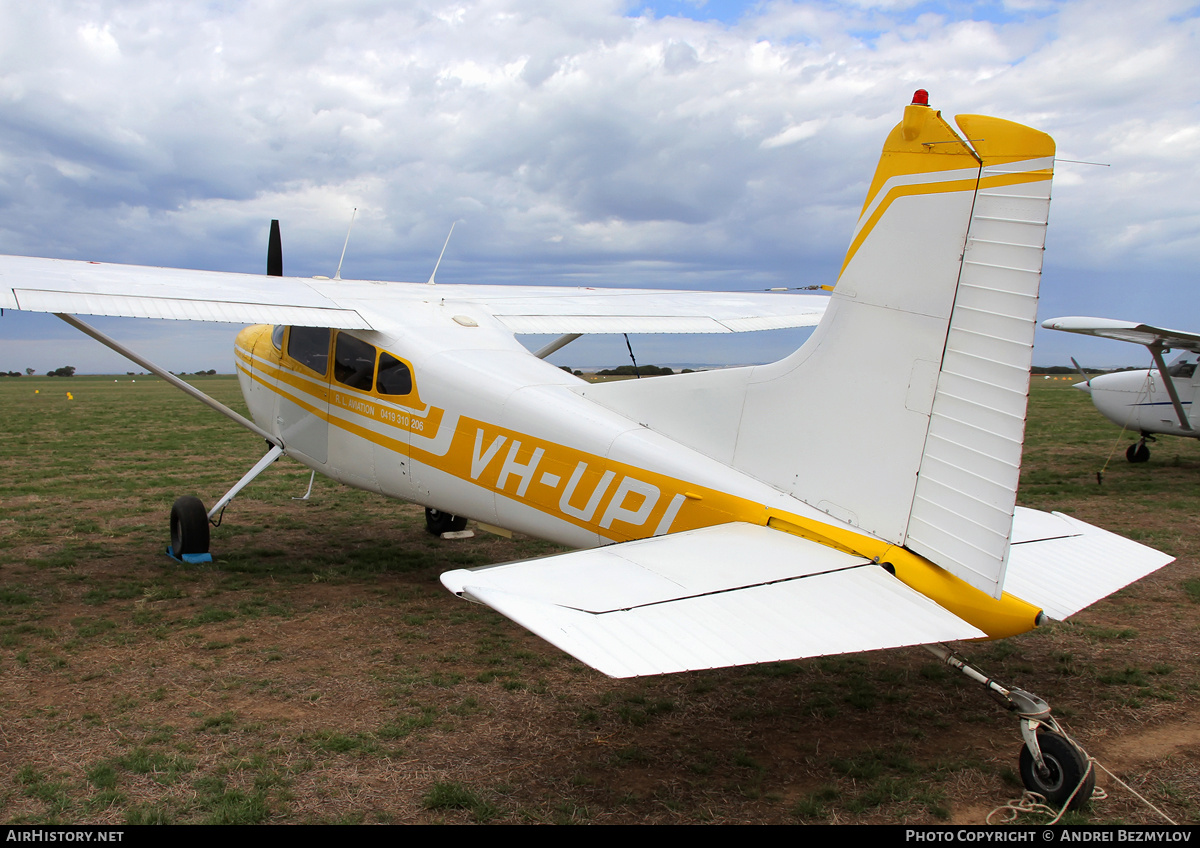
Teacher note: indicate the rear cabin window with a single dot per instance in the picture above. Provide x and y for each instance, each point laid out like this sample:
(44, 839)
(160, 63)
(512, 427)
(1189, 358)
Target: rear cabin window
(394, 377)
(353, 362)
(310, 347)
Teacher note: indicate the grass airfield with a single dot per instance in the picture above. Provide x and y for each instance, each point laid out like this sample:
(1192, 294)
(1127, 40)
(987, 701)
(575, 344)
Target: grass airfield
(317, 672)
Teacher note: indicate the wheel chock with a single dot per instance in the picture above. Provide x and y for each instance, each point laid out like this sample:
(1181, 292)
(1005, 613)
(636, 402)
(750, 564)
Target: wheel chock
(189, 559)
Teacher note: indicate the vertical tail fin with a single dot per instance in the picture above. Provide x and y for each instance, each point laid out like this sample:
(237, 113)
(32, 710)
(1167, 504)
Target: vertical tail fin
(904, 412)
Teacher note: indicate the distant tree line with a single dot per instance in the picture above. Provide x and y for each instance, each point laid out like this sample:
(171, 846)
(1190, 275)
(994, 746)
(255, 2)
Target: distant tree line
(69, 371)
(65, 371)
(1039, 371)
(641, 370)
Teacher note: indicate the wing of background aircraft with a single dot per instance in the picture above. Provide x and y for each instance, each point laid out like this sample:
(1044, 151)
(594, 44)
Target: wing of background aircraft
(1126, 331)
(1128, 399)
(92, 288)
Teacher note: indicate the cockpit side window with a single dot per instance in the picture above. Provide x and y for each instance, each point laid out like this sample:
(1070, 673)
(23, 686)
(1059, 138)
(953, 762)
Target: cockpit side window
(394, 378)
(277, 337)
(310, 347)
(353, 362)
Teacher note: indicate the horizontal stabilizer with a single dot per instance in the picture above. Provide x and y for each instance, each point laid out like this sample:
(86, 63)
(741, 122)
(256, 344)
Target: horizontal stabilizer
(1063, 565)
(721, 596)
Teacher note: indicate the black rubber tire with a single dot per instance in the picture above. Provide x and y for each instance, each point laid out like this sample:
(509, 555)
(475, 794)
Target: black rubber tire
(437, 522)
(1067, 766)
(1137, 452)
(189, 526)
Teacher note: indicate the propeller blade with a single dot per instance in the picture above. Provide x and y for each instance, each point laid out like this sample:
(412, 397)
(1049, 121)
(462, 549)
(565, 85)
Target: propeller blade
(1082, 373)
(274, 252)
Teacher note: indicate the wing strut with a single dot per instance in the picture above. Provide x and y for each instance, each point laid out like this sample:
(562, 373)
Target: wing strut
(112, 343)
(273, 454)
(1156, 350)
(557, 344)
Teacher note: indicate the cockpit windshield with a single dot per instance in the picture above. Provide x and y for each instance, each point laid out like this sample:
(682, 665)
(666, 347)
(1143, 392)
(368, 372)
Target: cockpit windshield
(310, 347)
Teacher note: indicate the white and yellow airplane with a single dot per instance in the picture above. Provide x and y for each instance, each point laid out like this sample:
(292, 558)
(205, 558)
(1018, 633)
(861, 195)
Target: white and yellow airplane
(1158, 401)
(806, 507)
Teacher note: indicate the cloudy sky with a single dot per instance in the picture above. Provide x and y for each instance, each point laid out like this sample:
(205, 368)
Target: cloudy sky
(675, 144)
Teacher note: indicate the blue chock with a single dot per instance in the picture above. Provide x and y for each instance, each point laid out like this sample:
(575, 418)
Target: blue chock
(190, 559)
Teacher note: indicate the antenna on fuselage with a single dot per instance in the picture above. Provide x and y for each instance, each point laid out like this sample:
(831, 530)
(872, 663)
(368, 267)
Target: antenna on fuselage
(431, 281)
(337, 275)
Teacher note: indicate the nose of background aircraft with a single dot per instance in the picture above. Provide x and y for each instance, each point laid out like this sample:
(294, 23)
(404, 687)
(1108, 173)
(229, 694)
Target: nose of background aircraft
(1083, 387)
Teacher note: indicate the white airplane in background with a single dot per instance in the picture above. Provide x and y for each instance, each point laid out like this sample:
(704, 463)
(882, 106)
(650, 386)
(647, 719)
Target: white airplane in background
(801, 508)
(1149, 402)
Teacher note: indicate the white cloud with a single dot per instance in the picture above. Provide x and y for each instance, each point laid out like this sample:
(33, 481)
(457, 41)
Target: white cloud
(794, 133)
(573, 140)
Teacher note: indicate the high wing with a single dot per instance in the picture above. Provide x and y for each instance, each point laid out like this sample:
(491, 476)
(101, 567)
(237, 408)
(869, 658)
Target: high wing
(1126, 331)
(133, 291)
(92, 288)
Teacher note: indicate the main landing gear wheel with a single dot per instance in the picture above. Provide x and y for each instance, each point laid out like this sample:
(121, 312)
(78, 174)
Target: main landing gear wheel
(1066, 767)
(437, 522)
(1137, 452)
(189, 526)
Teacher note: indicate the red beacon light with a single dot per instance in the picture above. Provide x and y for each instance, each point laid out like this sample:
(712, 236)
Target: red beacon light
(920, 97)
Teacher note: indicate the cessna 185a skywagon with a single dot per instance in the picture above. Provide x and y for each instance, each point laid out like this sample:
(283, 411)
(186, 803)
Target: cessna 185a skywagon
(746, 515)
(1160, 400)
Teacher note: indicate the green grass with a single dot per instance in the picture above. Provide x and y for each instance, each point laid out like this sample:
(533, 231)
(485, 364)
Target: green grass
(455, 796)
(317, 671)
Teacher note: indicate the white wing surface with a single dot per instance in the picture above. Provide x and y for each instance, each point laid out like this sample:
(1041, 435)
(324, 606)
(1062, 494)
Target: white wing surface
(91, 288)
(1063, 565)
(737, 594)
(721, 596)
(134, 291)
(650, 311)
(1125, 331)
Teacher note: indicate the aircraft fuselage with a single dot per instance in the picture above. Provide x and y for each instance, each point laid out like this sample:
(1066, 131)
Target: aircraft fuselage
(1139, 400)
(486, 431)
(490, 433)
